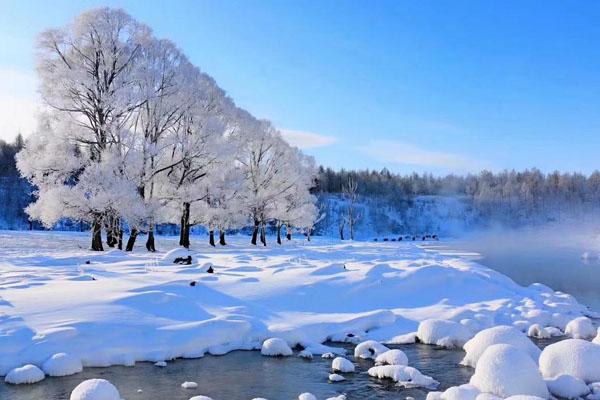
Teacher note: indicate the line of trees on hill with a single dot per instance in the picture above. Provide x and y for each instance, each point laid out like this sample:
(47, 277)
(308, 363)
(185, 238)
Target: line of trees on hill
(134, 135)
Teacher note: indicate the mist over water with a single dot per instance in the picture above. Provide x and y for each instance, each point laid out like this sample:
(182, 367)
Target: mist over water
(565, 257)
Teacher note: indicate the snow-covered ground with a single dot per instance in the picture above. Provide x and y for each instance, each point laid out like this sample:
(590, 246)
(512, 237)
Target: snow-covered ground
(118, 308)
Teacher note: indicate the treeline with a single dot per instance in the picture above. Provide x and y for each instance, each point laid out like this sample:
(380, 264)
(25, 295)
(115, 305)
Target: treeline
(15, 192)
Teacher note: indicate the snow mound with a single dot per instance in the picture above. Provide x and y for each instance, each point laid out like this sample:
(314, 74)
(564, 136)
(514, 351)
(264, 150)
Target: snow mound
(597, 338)
(487, 396)
(275, 347)
(567, 387)
(201, 398)
(62, 364)
(462, 392)
(408, 377)
(524, 397)
(506, 370)
(575, 357)
(369, 349)
(170, 256)
(160, 364)
(336, 378)
(341, 364)
(307, 396)
(497, 335)
(306, 354)
(189, 385)
(580, 328)
(392, 357)
(443, 333)
(95, 389)
(340, 397)
(26, 374)
(537, 331)
(328, 355)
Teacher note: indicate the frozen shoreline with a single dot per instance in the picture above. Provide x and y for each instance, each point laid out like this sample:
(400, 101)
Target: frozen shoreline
(122, 308)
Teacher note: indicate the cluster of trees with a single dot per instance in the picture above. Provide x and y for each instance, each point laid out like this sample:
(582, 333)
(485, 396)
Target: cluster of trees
(134, 135)
(15, 191)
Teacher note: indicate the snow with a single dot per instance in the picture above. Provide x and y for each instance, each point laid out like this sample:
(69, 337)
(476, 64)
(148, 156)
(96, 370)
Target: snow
(189, 385)
(62, 364)
(462, 392)
(275, 347)
(392, 357)
(369, 349)
(336, 378)
(95, 389)
(537, 331)
(443, 333)
(580, 328)
(25, 374)
(160, 364)
(575, 357)
(341, 364)
(567, 387)
(306, 354)
(256, 293)
(201, 398)
(475, 347)
(505, 370)
(307, 396)
(597, 338)
(408, 377)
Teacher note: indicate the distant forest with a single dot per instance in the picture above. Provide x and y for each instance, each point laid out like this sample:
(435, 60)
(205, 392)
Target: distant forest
(508, 197)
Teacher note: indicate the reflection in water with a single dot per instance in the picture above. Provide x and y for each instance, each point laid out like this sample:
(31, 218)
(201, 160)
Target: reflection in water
(243, 375)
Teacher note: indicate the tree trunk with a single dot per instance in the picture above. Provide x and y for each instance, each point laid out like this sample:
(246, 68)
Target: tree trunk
(150, 241)
(184, 233)
(131, 241)
(120, 243)
(254, 233)
(341, 231)
(97, 233)
(222, 237)
(211, 238)
(263, 236)
(308, 233)
(278, 233)
(288, 232)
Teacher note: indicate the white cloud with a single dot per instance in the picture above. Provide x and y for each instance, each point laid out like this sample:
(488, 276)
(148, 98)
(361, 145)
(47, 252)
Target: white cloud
(307, 140)
(18, 103)
(397, 152)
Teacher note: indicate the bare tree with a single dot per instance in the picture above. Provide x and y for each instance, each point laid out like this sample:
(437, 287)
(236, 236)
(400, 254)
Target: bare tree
(350, 191)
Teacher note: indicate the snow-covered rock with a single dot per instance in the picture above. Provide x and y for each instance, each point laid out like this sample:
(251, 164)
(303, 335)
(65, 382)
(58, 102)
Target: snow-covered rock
(201, 398)
(487, 396)
(405, 376)
(275, 347)
(505, 370)
(305, 354)
(392, 357)
(160, 364)
(575, 357)
(26, 374)
(307, 396)
(537, 331)
(95, 389)
(462, 392)
(497, 335)
(580, 328)
(524, 397)
(189, 385)
(336, 378)
(341, 364)
(328, 355)
(62, 364)
(597, 338)
(443, 333)
(340, 397)
(369, 349)
(567, 387)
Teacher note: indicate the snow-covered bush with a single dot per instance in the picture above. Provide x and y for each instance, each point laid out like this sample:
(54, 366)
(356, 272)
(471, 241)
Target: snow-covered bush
(95, 389)
(443, 333)
(369, 349)
(575, 357)
(392, 357)
(567, 387)
(496, 335)
(505, 370)
(26, 374)
(62, 364)
(341, 364)
(275, 347)
(403, 375)
(580, 328)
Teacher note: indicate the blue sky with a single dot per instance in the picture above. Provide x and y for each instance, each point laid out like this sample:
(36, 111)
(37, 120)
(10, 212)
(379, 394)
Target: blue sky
(435, 86)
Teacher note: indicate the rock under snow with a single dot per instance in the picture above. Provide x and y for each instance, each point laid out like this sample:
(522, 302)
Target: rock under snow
(95, 389)
(580, 328)
(189, 385)
(201, 398)
(340, 397)
(496, 335)
(275, 347)
(443, 333)
(408, 377)
(524, 397)
(392, 357)
(537, 331)
(575, 357)
(369, 349)
(487, 396)
(306, 354)
(567, 387)
(26, 374)
(597, 338)
(161, 364)
(462, 392)
(307, 396)
(505, 370)
(62, 364)
(336, 378)
(341, 364)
